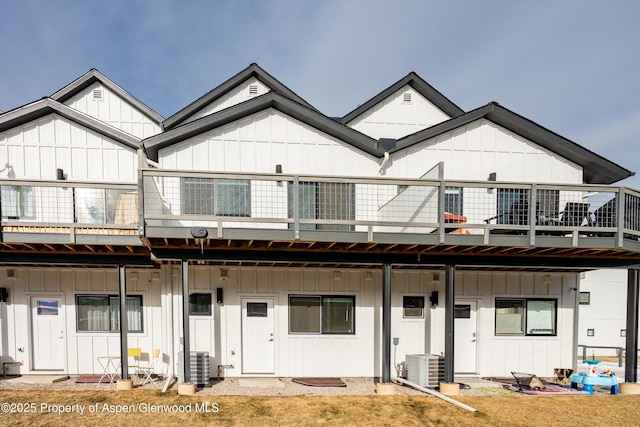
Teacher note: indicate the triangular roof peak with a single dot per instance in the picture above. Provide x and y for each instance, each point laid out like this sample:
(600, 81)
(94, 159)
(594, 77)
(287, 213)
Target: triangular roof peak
(46, 106)
(92, 76)
(252, 71)
(275, 100)
(419, 85)
(596, 169)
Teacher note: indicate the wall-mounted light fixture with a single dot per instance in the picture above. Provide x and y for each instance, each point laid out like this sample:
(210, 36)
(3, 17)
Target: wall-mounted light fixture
(434, 299)
(60, 174)
(492, 177)
(3, 294)
(219, 295)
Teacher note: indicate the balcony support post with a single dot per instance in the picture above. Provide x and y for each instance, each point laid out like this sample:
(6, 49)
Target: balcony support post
(631, 363)
(449, 322)
(124, 327)
(386, 323)
(186, 347)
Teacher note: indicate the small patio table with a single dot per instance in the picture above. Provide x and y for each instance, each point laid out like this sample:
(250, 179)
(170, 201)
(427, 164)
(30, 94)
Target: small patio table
(109, 368)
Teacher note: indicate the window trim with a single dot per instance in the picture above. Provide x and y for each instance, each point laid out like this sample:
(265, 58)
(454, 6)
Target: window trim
(109, 298)
(526, 302)
(212, 193)
(321, 313)
(587, 300)
(210, 305)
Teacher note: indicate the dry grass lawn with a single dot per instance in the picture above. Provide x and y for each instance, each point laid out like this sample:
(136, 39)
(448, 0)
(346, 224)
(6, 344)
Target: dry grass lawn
(499, 410)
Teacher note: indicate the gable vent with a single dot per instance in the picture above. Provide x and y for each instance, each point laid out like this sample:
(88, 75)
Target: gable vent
(406, 97)
(97, 94)
(253, 89)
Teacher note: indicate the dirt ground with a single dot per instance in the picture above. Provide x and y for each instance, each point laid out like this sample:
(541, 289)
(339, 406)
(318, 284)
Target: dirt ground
(46, 406)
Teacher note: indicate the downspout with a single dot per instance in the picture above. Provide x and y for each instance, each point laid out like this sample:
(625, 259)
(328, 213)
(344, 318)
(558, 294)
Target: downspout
(384, 162)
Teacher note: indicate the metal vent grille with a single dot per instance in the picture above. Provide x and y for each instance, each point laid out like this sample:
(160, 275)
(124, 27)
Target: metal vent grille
(406, 97)
(253, 90)
(97, 94)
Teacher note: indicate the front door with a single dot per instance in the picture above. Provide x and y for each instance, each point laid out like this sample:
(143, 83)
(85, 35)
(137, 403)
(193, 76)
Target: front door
(465, 350)
(258, 340)
(47, 333)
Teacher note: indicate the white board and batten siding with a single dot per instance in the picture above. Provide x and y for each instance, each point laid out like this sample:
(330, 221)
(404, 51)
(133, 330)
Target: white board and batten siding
(247, 90)
(37, 149)
(81, 348)
(261, 141)
(404, 112)
(103, 104)
(480, 148)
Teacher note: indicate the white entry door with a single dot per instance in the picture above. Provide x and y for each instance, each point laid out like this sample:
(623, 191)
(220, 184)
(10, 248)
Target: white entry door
(465, 342)
(47, 333)
(258, 340)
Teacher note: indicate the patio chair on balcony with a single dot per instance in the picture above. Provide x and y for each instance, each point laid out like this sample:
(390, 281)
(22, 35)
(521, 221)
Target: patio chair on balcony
(518, 214)
(575, 214)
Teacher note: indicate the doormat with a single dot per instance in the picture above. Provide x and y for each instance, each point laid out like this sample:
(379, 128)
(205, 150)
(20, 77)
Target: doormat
(320, 382)
(88, 379)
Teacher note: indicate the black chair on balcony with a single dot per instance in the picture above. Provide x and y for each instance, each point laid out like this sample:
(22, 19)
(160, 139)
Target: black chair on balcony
(575, 214)
(518, 214)
(606, 216)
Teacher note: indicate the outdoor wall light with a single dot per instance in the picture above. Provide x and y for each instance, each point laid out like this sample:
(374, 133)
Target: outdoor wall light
(3, 294)
(434, 298)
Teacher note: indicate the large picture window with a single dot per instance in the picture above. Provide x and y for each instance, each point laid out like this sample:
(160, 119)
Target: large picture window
(321, 314)
(221, 197)
(17, 201)
(526, 316)
(101, 313)
(323, 201)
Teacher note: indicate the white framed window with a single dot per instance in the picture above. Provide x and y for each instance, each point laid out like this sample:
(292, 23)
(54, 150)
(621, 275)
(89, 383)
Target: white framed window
(585, 298)
(526, 317)
(17, 202)
(222, 197)
(323, 200)
(200, 304)
(328, 314)
(101, 313)
(413, 306)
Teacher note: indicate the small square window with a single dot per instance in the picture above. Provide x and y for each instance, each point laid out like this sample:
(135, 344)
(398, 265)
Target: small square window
(413, 306)
(585, 298)
(591, 332)
(257, 309)
(200, 304)
(623, 332)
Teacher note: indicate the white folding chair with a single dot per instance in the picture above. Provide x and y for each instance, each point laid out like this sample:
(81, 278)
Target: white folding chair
(147, 369)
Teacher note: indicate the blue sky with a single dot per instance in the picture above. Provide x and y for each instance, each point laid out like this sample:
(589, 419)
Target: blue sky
(571, 66)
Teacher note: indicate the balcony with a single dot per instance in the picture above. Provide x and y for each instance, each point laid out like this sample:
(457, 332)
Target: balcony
(268, 212)
(66, 212)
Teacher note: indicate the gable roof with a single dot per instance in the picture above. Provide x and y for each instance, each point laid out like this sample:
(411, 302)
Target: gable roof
(93, 76)
(252, 70)
(273, 100)
(420, 86)
(46, 106)
(596, 169)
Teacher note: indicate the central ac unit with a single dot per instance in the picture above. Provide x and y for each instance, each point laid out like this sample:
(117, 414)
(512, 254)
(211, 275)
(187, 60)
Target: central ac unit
(199, 364)
(425, 370)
